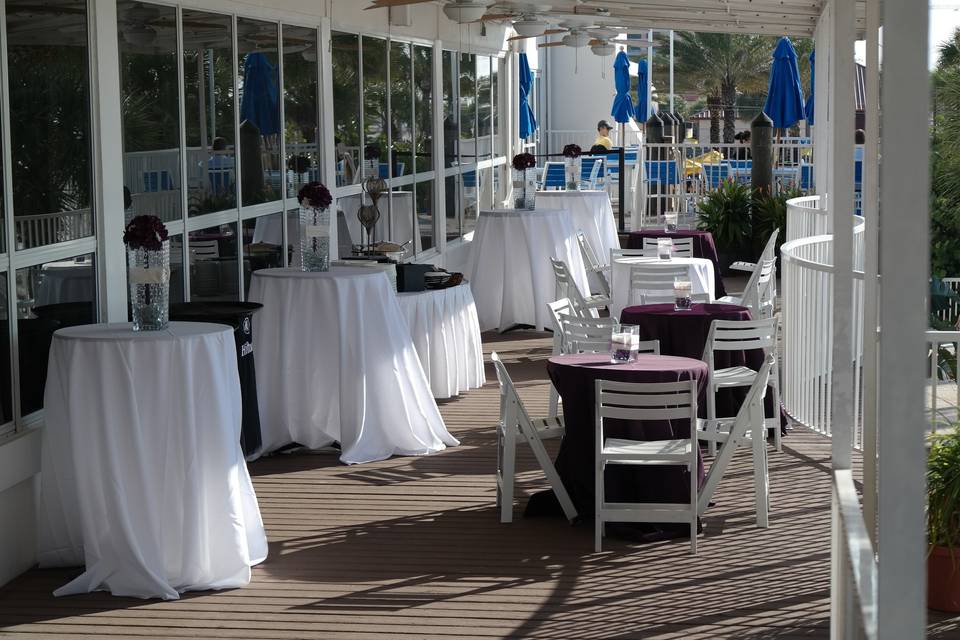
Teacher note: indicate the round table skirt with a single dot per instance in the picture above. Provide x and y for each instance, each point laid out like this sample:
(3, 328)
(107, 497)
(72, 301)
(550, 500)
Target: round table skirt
(574, 377)
(703, 247)
(66, 282)
(445, 331)
(143, 479)
(700, 271)
(336, 363)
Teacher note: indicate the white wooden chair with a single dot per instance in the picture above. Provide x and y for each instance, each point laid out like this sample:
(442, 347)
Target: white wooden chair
(515, 420)
(592, 335)
(567, 288)
(682, 247)
(654, 279)
(559, 309)
(650, 402)
(739, 335)
(759, 294)
(628, 253)
(664, 298)
(593, 265)
(769, 251)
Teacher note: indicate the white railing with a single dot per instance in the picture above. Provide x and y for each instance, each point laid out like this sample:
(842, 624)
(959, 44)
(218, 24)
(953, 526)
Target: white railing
(807, 284)
(943, 381)
(48, 228)
(554, 140)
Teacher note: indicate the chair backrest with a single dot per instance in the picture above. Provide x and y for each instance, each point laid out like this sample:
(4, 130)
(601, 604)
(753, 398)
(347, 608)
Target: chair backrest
(760, 284)
(682, 247)
(770, 248)
(566, 286)
(661, 172)
(665, 298)
(512, 410)
(715, 174)
(592, 263)
(592, 169)
(221, 179)
(554, 175)
(625, 253)
(560, 309)
(587, 335)
(650, 401)
(204, 249)
(740, 335)
(740, 165)
(656, 277)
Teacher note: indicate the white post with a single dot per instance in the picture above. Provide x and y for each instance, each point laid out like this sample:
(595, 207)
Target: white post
(649, 74)
(328, 159)
(671, 73)
(904, 267)
(439, 151)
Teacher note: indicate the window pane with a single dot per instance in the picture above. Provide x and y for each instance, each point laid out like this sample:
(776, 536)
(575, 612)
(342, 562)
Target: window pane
(423, 106)
(209, 112)
(50, 296)
(346, 105)
(151, 108)
(453, 206)
(401, 107)
(261, 177)
(300, 106)
(402, 219)
(451, 111)
(472, 181)
(375, 105)
(176, 269)
(495, 105)
(468, 108)
(6, 380)
(424, 204)
(213, 263)
(49, 121)
(350, 227)
(483, 107)
(262, 246)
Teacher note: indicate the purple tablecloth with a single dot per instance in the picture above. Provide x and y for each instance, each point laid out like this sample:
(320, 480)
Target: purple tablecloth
(703, 247)
(574, 377)
(684, 334)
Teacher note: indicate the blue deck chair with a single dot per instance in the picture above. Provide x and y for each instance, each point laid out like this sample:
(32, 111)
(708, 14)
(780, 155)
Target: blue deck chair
(554, 176)
(154, 181)
(592, 171)
(806, 178)
(715, 174)
(661, 172)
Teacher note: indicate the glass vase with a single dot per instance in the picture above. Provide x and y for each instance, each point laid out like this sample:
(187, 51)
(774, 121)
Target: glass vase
(624, 343)
(573, 173)
(149, 280)
(524, 188)
(314, 239)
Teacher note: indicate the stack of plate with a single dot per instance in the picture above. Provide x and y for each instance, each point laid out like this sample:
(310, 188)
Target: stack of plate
(435, 279)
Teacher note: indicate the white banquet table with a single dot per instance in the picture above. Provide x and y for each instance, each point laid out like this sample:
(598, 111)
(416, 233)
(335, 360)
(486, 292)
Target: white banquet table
(143, 480)
(510, 272)
(592, 213)
(66, 281)
(446, 333)
(700, 271)
(338, 365)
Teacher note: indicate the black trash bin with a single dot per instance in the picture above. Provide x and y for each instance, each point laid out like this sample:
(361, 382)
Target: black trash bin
(238, 315)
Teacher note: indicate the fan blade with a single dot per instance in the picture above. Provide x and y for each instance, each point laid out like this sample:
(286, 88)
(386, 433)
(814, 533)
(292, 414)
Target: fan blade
(496, 16)
(379, 4)
(551, 44)
(548, 32)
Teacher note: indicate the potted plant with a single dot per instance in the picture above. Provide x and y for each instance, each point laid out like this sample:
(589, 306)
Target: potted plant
(726, 214)
(943, 521)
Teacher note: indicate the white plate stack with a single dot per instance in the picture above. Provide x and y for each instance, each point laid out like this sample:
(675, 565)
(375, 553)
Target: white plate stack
(435, 279)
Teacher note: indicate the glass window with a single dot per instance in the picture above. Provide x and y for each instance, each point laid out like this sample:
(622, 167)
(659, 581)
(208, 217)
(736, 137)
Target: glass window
(452, 206)
(472, 185)
(6, 380)
(495, 105)
(484, 114)
(214, 274)
(424, 204)
(401, 108)
(49, 120)
(468, 108)
(349, 227)
(262, 246)
(423, 106)
(150, 100)
(375, 106)
(346, 105)
(261, 177)
(451, 112)
(300, 107)
(402, 219)
(209, 112)
(49, 296)
(176, 269)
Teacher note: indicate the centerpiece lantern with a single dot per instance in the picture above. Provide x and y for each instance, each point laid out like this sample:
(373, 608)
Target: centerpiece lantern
(571, 154)
(524, 180)
(148, 272)
(371, 160)
(369, 214)
(315, 201)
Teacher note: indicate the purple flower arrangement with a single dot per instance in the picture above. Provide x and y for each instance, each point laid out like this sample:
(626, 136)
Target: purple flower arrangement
(314, 194)
(572, 151)
(145, 232)
(371, 152)
(523, 161)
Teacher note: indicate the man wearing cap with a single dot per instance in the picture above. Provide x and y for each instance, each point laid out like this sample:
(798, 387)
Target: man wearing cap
(603, 135)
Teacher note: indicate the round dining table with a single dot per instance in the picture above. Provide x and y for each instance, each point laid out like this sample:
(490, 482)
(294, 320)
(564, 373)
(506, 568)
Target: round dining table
(699, 270)
(66, 281)
(337, 364)
(574, 376)
(592, 213)
(703, 247)
(142, 479)
(509, 270)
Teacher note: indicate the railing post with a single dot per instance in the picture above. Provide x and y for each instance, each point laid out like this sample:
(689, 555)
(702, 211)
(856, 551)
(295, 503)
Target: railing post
(761, 149)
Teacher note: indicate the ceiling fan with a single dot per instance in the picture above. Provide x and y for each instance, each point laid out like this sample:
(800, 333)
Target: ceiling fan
(459, 11)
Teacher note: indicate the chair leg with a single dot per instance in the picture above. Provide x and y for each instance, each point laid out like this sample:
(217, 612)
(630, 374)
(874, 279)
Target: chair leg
(540, 453)
(775, 380)
(711, 424)
(554, 402)
(598, 508)
(760, 481)
(508, 467)
(694, 514)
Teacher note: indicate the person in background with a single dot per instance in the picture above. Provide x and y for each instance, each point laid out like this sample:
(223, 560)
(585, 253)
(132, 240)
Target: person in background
(603, 135)
(859, 139)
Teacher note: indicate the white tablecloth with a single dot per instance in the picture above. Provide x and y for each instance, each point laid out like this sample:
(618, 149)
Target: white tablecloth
(336, 363)
(592, 213)
(446, 334)
(66, 281)
(700, 271)
(510, 272)
(143, 479)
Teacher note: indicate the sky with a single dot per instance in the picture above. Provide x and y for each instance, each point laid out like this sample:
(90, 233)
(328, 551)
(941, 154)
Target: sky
(944, 20)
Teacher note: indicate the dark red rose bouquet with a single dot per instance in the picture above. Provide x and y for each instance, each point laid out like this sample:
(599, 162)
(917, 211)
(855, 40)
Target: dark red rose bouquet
(523, 161)
(314, 194)
(145, 232)
(572, 151)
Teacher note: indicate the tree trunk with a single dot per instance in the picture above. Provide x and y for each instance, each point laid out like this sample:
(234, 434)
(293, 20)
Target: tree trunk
(728, 94)
(713, 105)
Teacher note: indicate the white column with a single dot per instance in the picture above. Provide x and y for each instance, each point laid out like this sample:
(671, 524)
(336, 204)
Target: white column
(107, 156)
(904, 268)
(328, 160)
(820, 101)
(439, 153)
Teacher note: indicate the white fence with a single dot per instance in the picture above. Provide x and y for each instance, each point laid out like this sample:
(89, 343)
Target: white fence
(48, 228)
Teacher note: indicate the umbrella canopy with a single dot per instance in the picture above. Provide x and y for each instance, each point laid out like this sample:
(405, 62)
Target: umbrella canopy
(622, 109)
(642, 112)
(808, 109)
(785, 96)
(260, 102)
(528, 123)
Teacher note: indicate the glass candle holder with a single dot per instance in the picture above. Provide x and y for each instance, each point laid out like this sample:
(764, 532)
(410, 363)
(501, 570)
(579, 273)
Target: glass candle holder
(664, 248)
(670, 221)
(624, 343)
(681, 294)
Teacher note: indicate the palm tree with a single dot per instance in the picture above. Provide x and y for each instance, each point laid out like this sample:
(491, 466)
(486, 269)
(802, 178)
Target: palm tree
(720, 65)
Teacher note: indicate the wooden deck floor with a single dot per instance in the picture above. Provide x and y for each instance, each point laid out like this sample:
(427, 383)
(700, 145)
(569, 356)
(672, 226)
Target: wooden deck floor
(412, 548)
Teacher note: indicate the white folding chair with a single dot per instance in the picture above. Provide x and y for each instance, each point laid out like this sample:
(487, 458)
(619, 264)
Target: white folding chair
(559, 309)
(645, 402)
(567, 288)
(627, 253)
(682, 247)
(759, 294)
(514, 420)
(654, 279)
(592, 335)
(664, 298)
(593, 264)
(769, 251)
(739, 335)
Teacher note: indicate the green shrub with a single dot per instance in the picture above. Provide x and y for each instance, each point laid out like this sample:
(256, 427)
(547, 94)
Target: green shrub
(726, 214)
(943, 489)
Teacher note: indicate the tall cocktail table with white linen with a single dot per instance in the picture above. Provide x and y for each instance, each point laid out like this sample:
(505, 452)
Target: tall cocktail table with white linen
(66, 281)
(339, 365)
(510, 272)
(592, 213)
(700, 272)
(143, 479)
(446, 333)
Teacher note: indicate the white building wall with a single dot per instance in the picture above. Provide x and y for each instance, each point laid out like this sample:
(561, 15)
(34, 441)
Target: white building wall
(581, 88)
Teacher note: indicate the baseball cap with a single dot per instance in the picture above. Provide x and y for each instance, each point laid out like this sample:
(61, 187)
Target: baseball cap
(603, 124)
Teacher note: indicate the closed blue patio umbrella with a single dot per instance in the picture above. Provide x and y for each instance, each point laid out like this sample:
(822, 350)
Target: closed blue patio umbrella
(808, 109)
(260, 103)
(528, 123)
(622, 109)
(642, 112)
(785, 96)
